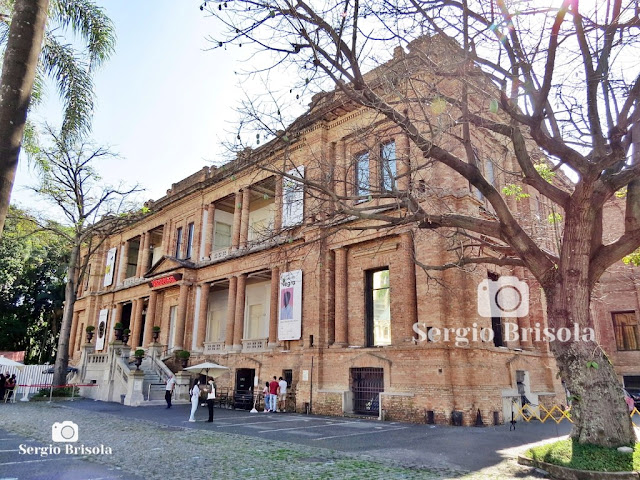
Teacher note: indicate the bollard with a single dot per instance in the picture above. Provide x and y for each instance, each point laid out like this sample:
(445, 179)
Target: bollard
(50, 392)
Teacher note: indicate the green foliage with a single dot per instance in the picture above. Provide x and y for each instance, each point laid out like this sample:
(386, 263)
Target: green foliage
(183, 354)
(156, 328)
(545, 171)
(513, 190)
(632, 259)
(593, 365)
(117, 326)
(90, 328)
(58, 392)
(570, 453)
(139, 353)
(31, 287)
(554, 218)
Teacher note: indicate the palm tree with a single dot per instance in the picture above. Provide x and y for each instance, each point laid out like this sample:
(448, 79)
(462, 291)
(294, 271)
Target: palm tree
(33, 52)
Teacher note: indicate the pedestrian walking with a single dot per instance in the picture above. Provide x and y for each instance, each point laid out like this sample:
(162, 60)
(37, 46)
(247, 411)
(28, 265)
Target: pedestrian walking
(211, 396)
(195, 398)
(273, 394)
(265, 394)
(171, 384)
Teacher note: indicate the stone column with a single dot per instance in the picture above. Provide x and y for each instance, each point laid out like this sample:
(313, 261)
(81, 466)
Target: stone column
(182, 316)
(145, 254)
(118, 316)
(208, 233)
(237, 214)
(138, 306)
(202, 315)
(341, 170)
(277, 221)
(273, 310)
(122, 268)
(244, 221)
(150, 320)
(231, 312)
(140, 255)
(403, 163)
(238, 328)
(408, 290)
(341, 286)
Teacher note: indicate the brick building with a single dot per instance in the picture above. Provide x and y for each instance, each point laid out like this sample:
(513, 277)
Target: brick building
(244, 266)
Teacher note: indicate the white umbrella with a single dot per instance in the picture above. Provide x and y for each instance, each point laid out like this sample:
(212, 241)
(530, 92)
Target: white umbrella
(209, 369)
(7, 362)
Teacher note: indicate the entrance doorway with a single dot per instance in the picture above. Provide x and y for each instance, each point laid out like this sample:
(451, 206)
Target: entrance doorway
(243, 393)
(366, 384)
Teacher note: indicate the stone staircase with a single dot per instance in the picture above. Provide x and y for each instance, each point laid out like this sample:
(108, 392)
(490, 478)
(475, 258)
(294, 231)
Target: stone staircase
(153, 386)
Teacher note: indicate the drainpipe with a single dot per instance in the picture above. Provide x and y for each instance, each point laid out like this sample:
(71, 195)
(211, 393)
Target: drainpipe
(311, 389)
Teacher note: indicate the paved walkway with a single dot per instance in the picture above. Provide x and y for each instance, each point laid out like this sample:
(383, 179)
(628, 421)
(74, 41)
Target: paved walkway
(158, 443)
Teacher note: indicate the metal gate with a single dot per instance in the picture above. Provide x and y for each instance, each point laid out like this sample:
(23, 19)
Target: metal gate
(366, 384)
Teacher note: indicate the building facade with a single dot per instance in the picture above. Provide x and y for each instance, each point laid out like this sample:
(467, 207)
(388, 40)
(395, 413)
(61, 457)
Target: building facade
(245, 266)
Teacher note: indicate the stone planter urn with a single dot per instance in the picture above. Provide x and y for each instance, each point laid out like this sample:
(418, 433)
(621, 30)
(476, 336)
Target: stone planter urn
(117, 330)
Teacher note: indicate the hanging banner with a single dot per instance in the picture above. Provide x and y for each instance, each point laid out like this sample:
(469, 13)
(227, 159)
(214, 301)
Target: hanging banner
(110, 267)
(102, 328)
(292, 198)
(290, 306)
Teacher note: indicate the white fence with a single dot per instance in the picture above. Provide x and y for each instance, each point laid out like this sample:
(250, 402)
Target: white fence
(29, 375)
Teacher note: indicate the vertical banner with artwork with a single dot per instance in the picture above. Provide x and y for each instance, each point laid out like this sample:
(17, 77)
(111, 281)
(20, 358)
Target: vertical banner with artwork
(290, 306)
(102, 328)
(110, 266)
(293, 198)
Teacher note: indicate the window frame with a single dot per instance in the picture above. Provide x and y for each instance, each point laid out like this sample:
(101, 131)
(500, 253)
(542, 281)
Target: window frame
(369, 330)
(360, 158)
(191, 227)
(388, 183)
(626, 342)
(179, 239)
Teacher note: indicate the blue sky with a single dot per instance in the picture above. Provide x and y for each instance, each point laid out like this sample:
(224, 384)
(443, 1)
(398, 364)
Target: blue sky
(163, 102)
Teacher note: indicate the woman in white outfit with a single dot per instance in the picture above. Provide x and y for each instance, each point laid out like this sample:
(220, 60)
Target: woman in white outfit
(195, 398)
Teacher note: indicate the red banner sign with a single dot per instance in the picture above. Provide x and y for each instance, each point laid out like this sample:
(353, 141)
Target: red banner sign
(162, 281)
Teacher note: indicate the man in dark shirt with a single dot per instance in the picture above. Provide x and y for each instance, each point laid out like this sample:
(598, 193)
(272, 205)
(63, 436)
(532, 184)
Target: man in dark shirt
(273, 394)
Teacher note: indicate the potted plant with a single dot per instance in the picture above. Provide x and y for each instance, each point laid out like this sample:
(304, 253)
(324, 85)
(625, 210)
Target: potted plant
(125, 335)
(183, 355)
(139, 355)
(155, 333)
(89, 331)
(118, 331)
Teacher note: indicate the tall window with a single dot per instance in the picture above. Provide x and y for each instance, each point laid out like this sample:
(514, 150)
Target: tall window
(217, 316)
(190, 231)
(178, 242)
(378, 308)
(625, 325)
(362, 174)
(388, 168)
(222, 236)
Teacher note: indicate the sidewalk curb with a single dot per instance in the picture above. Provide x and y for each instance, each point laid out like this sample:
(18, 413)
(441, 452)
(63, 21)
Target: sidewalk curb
(566, 473)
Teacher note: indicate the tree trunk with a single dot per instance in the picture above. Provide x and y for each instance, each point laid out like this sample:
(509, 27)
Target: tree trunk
(18, 72)
(598, 409)
(62, 356)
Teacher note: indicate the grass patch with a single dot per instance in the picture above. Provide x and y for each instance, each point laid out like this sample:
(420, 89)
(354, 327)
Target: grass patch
(570, 453)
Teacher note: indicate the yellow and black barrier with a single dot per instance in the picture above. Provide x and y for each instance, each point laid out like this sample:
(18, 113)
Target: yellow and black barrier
(557, 413)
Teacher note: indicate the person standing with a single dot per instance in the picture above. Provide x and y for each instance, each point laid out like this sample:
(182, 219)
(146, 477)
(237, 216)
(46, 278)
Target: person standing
(211, 395)
(265, 394)
(282, 396)
(171, 384)
(273, 394)
(10, 385)
(195, 399)
(3, 379)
